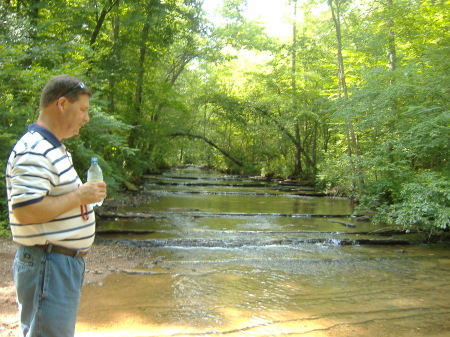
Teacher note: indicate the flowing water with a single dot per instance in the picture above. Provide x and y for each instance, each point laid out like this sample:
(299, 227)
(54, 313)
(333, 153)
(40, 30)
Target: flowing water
(239, 257)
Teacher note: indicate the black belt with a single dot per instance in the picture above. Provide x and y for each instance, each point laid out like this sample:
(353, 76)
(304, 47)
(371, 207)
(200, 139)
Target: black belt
(61, 250)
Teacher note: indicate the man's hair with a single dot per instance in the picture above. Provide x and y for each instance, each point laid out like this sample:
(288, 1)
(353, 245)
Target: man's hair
(68, 86)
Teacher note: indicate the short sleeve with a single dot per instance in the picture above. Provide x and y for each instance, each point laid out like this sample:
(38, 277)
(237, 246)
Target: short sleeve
(32, 178)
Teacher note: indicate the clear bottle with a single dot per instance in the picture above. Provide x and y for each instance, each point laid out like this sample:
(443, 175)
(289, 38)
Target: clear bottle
(95, 174)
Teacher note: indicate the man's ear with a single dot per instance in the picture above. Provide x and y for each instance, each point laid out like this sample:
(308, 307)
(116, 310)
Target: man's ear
(60, 102)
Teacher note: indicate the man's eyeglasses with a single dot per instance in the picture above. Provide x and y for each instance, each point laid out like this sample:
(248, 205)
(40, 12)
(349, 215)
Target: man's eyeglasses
(80, 85)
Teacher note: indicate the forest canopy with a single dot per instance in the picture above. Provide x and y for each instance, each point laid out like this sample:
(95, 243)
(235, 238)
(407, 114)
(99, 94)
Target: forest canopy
(355, 101)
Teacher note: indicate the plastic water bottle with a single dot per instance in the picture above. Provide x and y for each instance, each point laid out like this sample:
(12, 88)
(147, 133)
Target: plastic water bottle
(95, 174)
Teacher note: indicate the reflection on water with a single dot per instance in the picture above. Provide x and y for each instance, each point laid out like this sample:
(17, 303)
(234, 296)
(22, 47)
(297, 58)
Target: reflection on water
(277, 291)
(267, 287)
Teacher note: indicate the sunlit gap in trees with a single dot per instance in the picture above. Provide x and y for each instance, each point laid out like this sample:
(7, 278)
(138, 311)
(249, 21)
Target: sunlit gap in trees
(273, 15)
(277, 16)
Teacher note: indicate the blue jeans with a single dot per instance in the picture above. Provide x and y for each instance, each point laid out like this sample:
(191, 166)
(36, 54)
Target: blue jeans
(48, 287)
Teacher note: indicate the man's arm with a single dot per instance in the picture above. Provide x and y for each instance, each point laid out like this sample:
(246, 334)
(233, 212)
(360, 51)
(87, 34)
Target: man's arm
(50, 207)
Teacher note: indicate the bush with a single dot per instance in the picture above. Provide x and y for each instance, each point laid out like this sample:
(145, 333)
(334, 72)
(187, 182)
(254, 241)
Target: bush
(424, 205)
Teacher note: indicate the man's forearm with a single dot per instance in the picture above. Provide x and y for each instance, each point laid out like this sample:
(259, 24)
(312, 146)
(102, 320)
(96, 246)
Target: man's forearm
(49, 208)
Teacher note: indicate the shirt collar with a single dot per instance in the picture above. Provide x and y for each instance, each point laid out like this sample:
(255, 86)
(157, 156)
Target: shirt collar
(45, 133)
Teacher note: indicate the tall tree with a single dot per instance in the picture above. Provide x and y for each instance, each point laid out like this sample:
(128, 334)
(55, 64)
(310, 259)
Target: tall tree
(352, 142)
(295, 108)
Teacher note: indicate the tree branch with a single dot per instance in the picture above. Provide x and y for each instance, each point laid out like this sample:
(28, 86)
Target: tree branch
(206, 140)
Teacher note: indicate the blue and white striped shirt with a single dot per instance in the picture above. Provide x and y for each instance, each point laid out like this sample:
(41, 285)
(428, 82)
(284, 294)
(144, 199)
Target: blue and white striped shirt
(40, 166)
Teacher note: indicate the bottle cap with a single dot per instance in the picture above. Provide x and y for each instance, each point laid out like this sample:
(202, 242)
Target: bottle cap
(94, 160)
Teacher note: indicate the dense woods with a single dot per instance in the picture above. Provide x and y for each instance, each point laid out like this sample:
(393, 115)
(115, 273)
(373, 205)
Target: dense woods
(355, 101)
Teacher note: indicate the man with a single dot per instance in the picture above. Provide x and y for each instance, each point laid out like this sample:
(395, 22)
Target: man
(50, 214)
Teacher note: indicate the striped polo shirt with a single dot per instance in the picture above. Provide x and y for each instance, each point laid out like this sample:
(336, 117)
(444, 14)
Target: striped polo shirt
(40, 166)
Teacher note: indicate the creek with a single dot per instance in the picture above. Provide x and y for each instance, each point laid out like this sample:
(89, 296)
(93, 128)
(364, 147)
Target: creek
(234, 256)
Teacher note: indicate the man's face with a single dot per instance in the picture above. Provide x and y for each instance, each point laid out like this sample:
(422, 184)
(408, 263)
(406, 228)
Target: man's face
(75, 115)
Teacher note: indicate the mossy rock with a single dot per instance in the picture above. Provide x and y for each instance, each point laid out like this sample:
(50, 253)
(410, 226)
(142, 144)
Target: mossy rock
(130, 186)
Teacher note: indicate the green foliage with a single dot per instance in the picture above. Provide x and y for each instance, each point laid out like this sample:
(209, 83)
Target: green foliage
(104, 137)
(161, 68)
(423, 205)
(4, 226)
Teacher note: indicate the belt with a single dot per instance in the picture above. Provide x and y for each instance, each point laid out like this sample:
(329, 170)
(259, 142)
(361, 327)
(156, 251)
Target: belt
(61, 250)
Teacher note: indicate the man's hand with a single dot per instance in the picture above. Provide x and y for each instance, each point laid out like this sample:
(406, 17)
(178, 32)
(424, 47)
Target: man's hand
(50, 207)
(92, 192)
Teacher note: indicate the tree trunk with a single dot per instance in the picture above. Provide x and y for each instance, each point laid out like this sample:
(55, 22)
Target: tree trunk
(297, 143)
(209, 142)
(286, 132)
(141, 70)
(352, 142)
(391, 48)
(33, 13)
(298, 150)
(117, 56)
(335, 12)
(101, 19)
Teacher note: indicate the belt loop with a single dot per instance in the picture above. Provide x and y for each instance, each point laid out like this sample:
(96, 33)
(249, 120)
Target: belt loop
(76, 253)
(49, 248)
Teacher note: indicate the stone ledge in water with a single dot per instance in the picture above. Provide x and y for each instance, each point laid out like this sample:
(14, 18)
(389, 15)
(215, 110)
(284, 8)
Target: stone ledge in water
(217, 243)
